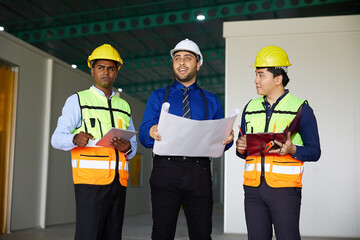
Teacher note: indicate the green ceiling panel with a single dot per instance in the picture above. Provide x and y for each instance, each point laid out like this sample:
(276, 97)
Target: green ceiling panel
(163, 19)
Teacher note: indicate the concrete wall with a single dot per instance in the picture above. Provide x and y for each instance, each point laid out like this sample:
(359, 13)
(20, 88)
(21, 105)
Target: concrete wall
(324, 53)
(42, 182)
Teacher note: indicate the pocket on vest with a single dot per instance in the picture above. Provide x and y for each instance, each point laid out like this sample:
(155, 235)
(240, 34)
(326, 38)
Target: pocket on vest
(250, 170)
(286, 171)
(95, 165)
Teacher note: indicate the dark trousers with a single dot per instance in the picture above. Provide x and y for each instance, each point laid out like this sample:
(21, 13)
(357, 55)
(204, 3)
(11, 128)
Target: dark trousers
(99, 211)
(266, 206)
(186, 182)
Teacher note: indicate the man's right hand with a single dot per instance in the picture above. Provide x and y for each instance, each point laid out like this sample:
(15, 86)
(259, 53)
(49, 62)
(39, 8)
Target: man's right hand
(81, 139)
(154, 133)
(241, 144)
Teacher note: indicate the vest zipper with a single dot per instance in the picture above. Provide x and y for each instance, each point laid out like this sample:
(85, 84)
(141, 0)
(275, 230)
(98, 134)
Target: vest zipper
(101, 132)
(116, 164)
(267, 121)
(116, 151)
(86, 130)
(111, 113)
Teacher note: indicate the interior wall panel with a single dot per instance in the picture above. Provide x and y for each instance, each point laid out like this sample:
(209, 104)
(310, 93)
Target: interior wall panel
(30, 168)
(25, 212)
(324, 56)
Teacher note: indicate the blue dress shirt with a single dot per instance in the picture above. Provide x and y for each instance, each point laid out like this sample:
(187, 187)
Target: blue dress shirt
(308, 131)
(197, 108)
(70, 119)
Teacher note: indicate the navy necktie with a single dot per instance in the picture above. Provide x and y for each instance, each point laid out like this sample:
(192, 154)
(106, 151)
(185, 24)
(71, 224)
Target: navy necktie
(186, 103)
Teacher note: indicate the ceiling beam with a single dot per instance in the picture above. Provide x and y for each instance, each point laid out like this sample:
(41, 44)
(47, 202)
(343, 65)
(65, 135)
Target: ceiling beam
(165, 19)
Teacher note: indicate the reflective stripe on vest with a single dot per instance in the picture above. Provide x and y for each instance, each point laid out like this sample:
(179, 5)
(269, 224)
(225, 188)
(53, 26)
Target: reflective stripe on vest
(279, 171)
(93, 164)
(276, 169)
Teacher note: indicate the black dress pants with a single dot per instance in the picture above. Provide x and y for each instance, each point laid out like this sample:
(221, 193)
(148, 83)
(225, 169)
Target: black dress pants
(186, 182)
(266, 207)
(99, 211)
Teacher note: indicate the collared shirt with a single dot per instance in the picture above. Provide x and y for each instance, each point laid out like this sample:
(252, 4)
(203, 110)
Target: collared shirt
(70, 119)
(308, 131)
(197, 108)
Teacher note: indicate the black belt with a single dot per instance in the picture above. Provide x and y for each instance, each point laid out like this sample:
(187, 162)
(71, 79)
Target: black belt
(178, 158)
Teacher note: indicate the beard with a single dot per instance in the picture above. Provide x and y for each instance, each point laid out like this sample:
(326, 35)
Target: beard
(185, 78)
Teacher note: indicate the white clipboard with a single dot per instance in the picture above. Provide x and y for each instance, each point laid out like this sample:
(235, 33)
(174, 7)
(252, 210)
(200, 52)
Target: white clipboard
(115, 132)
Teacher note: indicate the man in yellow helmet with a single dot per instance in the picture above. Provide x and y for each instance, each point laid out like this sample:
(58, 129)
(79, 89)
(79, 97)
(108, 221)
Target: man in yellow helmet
(99, 173)
(272, 181)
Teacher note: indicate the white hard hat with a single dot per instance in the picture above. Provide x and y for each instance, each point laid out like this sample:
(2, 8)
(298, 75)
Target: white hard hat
(188, 45)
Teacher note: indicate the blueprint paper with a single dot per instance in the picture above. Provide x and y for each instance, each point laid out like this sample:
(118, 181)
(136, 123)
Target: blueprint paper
(193, 138)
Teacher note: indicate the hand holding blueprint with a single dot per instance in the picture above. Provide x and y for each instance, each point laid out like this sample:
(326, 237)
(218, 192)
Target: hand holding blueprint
(193, 138)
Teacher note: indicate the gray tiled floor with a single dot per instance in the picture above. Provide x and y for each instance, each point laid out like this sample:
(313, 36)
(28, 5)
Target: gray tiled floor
(135, 228)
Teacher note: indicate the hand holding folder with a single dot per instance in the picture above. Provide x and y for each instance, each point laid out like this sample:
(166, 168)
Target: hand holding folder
(259, 144)
(115, 132)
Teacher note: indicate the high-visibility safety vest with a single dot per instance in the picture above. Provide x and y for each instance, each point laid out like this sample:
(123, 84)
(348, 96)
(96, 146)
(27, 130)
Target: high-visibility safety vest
(97, 165)
(279, 171)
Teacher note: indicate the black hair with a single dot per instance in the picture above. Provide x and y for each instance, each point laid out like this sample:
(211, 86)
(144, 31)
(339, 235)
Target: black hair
(276, 71)
(93, 62)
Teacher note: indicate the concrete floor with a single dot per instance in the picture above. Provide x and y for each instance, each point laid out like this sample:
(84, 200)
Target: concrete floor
(135, 228)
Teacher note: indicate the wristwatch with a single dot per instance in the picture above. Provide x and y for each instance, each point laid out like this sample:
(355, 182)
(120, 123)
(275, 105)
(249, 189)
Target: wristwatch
(129, 151)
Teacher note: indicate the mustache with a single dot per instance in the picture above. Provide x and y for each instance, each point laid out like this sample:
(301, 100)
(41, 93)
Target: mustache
(182, 68)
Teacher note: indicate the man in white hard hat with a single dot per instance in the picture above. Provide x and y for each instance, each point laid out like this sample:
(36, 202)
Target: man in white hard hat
(272, 180)
(99, 173)
(181, 180)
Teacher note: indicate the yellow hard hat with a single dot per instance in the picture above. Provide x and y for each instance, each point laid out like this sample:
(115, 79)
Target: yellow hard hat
(272, 56)
(105, 51)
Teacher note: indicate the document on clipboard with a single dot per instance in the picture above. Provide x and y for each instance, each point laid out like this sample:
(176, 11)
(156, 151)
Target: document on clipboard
(115, 132)
(258, 144)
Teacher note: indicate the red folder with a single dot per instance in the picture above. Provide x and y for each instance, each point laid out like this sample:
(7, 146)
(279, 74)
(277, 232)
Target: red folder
(258, 144)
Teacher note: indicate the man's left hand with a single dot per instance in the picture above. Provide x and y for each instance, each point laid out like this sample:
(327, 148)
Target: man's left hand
(120, 144)
(229, 139)
(285, 148)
